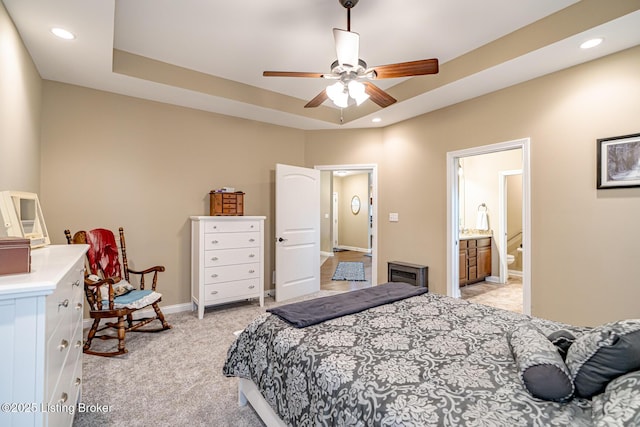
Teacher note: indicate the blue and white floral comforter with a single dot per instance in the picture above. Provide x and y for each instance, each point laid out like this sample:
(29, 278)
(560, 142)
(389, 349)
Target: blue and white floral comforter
(429, 360)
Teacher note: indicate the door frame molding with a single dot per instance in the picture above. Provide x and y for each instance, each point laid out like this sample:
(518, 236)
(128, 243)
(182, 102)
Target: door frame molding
(453, 208)
(502, 197)
(373, 169)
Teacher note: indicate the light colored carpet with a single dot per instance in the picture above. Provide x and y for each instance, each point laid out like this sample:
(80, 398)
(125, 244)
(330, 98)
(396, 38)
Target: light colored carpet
(174, 377)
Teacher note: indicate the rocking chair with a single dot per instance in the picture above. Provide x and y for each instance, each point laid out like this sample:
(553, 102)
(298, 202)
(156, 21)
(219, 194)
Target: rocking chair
(110, 295)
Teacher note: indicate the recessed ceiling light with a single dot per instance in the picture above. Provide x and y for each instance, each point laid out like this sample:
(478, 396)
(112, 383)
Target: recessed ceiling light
(63, 34)
(376, 120)
(591, 43)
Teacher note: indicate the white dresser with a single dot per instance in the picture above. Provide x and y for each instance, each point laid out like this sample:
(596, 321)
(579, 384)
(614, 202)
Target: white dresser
(41, 335)
(227, 259)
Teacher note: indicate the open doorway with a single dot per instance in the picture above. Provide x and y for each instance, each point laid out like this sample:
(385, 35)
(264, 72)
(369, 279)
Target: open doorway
(348, 223)
(475, 222)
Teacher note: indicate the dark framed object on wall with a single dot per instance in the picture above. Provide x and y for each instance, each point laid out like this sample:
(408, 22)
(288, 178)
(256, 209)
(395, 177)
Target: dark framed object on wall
(618, 161)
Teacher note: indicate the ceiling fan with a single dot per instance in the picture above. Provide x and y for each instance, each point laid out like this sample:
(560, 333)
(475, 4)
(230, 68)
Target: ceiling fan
(352, 74)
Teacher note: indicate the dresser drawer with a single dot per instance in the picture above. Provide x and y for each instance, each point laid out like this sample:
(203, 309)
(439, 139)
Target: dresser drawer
(227, 273)
(233, 290)
(231, 256)
(231, 226)
(231, 240)
(57, 349)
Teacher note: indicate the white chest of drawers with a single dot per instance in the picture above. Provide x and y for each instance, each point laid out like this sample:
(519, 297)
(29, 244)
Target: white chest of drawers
(227, 260)
(41, 336)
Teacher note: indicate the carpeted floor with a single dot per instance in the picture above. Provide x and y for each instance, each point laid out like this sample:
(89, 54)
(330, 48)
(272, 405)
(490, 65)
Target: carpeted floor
(174, 377)
(352, 271)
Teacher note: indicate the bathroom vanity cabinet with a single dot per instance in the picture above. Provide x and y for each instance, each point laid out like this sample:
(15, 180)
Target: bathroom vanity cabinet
(474, 260)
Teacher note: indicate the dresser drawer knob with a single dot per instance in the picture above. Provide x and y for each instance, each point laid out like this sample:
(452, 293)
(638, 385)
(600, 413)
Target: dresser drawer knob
(77, 382)
(252, 255)
(252, 240)
(215, 258)
(214, 292)
(214, 275)
(79, 306)
(76, 283)
(251, 271)
(63, 344)
(251, 225)
(252, 286)
(214, 242)
(64, 304)
(63, 398)
(78, 344)
(215, 227)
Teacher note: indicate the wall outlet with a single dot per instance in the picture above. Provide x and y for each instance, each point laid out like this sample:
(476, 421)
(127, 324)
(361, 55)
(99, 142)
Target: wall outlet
(393, 217)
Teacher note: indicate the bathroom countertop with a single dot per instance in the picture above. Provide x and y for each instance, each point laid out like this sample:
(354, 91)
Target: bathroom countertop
(474, 236)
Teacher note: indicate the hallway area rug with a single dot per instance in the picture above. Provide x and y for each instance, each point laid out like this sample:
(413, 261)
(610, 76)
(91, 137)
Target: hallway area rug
(351, 271)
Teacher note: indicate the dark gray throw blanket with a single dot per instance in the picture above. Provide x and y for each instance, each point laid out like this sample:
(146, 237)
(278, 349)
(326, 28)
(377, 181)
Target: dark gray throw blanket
(307, 313)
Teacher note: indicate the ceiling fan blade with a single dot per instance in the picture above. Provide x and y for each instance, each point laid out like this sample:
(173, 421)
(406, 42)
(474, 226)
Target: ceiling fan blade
(406, 69)
(319, 99)
(291, 74)
(377, 95)
(347, 46)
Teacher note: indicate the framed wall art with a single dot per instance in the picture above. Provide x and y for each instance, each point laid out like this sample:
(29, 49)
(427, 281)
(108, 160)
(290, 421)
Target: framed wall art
(619, 161)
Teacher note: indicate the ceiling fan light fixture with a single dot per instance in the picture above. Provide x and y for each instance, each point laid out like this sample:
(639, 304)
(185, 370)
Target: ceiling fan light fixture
(337, 93)
(357, 92)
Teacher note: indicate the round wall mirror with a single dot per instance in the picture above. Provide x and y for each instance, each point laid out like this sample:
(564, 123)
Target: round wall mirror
(355, 205)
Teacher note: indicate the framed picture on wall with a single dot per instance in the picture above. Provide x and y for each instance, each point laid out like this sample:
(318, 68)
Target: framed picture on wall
(619, 161)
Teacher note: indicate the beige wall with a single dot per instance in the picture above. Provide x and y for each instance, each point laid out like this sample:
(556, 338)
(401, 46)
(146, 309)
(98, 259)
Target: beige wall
(584, 241)
(326, 214)
(111, 160)
(353, 229)
(20, 99)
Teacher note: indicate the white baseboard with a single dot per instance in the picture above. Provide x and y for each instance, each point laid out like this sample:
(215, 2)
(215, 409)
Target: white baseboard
(492, 279)
(516, 273)
(323, 253)
(149, 312)
(353, 248)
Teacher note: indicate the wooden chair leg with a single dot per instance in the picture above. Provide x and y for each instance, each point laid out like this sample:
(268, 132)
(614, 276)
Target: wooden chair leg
(160, 316)
(121, 333)
(92, 333)
(130, 320)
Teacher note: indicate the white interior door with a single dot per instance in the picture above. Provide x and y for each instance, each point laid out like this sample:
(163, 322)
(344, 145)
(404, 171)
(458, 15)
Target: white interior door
(297, 231)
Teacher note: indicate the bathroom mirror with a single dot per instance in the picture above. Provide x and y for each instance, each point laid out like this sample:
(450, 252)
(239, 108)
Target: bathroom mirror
(355, 205)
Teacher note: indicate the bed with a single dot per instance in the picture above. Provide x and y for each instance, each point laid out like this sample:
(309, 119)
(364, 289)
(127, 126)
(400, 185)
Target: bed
(427, 360)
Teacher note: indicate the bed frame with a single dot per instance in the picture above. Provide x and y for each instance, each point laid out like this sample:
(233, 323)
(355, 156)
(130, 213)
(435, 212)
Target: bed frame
(248, 392)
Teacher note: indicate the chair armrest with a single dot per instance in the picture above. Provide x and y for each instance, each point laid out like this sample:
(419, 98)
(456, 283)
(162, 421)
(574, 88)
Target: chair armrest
(148, 270)
(92, 290)
(155, 270)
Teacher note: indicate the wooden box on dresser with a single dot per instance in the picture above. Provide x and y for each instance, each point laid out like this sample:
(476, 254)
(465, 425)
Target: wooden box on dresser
(227, 260)
(41, 335)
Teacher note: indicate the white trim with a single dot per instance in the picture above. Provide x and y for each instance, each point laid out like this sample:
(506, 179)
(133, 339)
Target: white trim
(249, 392)
(327, 254)
(373, 169)
(502, 220)
(515, 273)
(492, 279)
(355, 249)
(453, 288)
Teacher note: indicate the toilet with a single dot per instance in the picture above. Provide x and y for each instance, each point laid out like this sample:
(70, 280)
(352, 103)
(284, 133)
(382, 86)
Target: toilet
(510, 259)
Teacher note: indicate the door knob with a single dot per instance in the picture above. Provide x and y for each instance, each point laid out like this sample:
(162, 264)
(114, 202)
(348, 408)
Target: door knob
(280, 239)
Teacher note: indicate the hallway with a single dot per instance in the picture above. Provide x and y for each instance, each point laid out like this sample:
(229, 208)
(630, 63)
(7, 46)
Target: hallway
(328, 267)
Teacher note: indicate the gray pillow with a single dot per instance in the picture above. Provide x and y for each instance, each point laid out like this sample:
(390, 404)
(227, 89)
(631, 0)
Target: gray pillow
(619, 405)
(540, 366)
(602, 354)
(562, 339)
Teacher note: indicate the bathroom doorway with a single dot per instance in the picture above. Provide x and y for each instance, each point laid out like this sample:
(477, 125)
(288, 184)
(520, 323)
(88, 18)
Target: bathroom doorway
(455, 211)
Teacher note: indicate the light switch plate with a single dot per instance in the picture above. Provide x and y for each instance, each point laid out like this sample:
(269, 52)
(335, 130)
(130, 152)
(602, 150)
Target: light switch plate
(393, 217)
